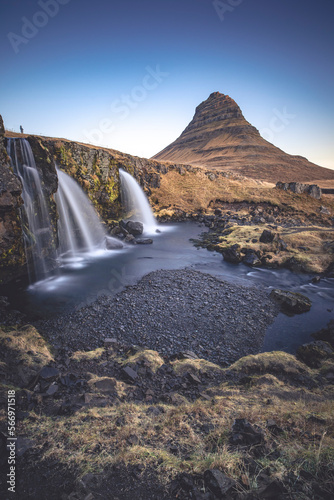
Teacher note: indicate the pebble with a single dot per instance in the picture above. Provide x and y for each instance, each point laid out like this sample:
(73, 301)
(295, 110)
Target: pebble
(172, 311)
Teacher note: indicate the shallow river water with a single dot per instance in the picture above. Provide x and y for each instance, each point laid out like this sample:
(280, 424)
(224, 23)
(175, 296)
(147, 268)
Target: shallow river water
(79, 282)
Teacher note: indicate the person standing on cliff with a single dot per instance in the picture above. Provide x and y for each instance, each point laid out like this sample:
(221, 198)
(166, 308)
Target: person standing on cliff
(21, 129)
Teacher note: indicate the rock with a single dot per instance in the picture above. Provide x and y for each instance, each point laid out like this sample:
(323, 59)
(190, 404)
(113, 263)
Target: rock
(243, 433)
(218, 483)
(187, 355)
(95, 400)
(324, 210)
(316, 279)
(270, 489)
(326, 334)
(134, 228)
(144, 241)
(251, 259)
(314, 353)
(273, 427)
(232, 254)
(315, 191)
(116, 231)
(193, 379)
(267, 236)
(291, 302)
(294, 265)
(110, 343)
(113, 244)
(129, 374)
(52, 389)
(298, 187)
(130, 239)
(106, 384)
(69, 380)
(49, 373)
(23, 444)
(281, 245)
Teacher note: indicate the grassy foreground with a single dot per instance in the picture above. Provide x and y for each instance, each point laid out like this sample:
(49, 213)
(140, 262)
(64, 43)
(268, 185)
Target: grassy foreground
(171, 422)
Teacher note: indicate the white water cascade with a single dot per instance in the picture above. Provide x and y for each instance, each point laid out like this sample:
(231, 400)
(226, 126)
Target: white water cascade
(136, 203)
(38, 232)
(79, 228)
(80, 232)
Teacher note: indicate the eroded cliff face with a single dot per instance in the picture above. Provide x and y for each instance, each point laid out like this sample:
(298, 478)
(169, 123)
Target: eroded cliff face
(97, 170)
(12, 256)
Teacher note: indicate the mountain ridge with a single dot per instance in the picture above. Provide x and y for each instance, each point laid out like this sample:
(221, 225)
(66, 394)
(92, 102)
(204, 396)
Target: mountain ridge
(220, 137)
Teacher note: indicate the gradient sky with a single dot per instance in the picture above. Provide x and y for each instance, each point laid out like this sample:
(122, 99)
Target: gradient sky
(129, 75)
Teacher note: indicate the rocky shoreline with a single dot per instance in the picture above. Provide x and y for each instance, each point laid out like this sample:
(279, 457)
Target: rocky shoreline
(172, 311)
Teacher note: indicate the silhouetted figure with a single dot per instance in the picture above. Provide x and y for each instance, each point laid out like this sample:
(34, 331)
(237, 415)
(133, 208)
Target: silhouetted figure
(21, 129)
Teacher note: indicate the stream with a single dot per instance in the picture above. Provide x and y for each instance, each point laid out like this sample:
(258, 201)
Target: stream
(81, 281)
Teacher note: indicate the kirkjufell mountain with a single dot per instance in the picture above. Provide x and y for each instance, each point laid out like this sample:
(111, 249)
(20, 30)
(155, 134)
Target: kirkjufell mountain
(219, 137)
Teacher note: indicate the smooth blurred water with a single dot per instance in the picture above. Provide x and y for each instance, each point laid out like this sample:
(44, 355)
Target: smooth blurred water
(81, 281)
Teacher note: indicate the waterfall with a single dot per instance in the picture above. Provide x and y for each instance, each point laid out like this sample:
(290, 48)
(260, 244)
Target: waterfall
(36, 225)
(79, 228)
(80, 231)
(136, 203)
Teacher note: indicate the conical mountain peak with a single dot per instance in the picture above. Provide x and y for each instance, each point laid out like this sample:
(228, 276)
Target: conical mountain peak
(219, 137)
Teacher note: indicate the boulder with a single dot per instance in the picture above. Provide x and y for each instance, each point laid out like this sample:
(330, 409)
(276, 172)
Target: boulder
(113, 244)
(314, 191)
(245, 434)
(218, 483)
(130, 239)
(298, 187)
(144, 241)
(49, 373)
(291, 302)
(324, 210)
(267, 236)
(251, 259)
(134, 228)
(232, 254)
(326, 334)
(106, 384)
(314, 353)
(129, 374)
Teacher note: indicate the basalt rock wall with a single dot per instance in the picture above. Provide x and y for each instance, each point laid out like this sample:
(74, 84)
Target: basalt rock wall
(12, 257)
(95, 169)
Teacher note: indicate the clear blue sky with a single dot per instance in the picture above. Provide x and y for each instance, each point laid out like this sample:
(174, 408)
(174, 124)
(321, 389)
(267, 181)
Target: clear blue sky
(128, 75)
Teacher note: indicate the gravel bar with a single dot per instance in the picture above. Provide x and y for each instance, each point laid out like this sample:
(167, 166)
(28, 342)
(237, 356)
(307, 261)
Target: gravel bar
(172, 311)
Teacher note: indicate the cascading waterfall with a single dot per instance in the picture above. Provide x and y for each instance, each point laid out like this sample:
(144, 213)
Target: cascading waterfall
(135, 202)
(37, 228)
(80, 231)
(79, 228)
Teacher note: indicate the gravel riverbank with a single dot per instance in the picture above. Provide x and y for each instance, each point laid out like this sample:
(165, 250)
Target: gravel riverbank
(172, 311)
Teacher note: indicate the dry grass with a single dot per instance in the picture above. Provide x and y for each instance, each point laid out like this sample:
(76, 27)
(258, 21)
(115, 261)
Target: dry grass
(277, 363)
(150, 440)
(80, 356)
(148, 358)
(195, 366)
(194, 191)
(25, 347)
(313, 247)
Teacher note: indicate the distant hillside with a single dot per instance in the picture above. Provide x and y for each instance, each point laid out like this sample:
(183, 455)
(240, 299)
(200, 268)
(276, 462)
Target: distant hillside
(219, 137)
